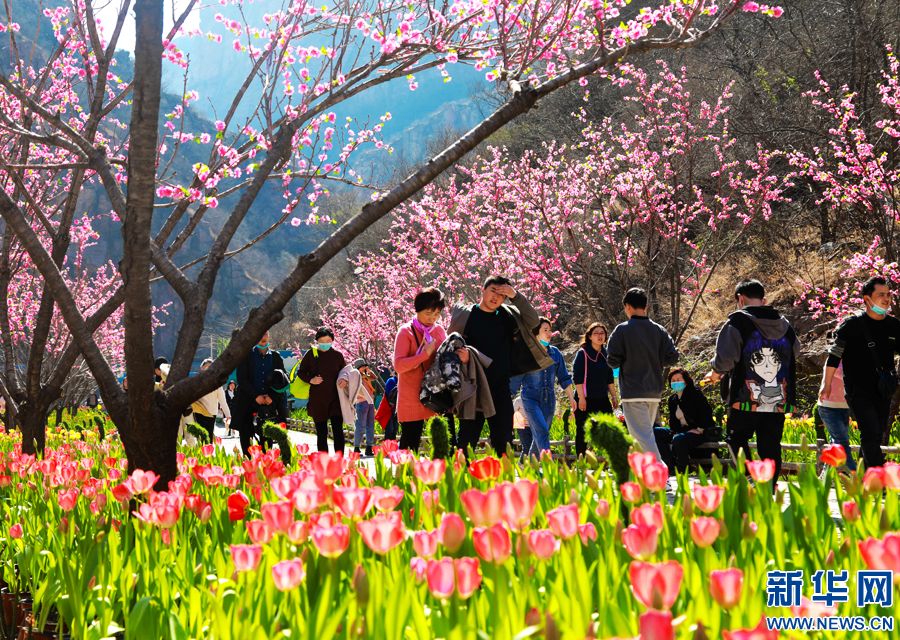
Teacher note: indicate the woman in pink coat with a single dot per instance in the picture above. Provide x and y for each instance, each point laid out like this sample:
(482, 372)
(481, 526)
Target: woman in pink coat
(414, 349)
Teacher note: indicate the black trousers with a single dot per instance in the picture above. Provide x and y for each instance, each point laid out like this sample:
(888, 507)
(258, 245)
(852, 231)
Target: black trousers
(390, 431)
(208, 423)
(337, 431)
(768, 428)
(676, 448)
(500, 424)
(593, 405)
(873, 416)
(411, 434)
(246, 412)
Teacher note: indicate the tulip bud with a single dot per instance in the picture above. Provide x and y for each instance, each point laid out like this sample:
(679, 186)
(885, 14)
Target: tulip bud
(532, 617)
(361, 586)
(700, 632)
(507, 466)
(829, 559)
(551, 631)
(591, 458)
(807, 526)
(592, 481)
(687, 506)
(573, 496)
(885, 523)
(603, 509)
(546, 491)
(748, 528)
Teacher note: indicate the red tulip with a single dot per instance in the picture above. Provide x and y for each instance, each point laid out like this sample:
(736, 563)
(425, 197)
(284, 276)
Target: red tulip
(441, 577)
(656, 585)
(656, 625)
(15, 531)
(426, 542)
(655, 476)
(542, 543)
(288, 574)
(637, 461)
(246, 556)
(651, 514)
(850, 511)
(487, 468)
(278, 515)
(452, 531)
(759, 632)
(259, 531)
(640, 540)
(761, 470)
(67, 499)
(518, 502)
(588, 532)
(430, 472)
(353, 503)
(121, 493)
(873, 480)
(331, 541)
(468, 576)
(237, 505)
(5, 481)
(834, 455)
(725, 586)
(141, 481)
(307, 500)
(882, 554)
(327, 468)
(484, 508)
(382, 532)
(299, 532)
(386, 499)
(892, 475)
(631, 491)
(563, 521)
(708, 497)
(705, 531)
(208, 449)
(492, 544)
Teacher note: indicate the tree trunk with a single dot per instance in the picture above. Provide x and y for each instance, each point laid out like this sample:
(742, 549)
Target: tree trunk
(59, 414)
(33, 423)
(154, 446)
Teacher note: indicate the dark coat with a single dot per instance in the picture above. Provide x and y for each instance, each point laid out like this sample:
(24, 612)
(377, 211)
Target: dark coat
(324, 402)
(695, 408)
(247, 387)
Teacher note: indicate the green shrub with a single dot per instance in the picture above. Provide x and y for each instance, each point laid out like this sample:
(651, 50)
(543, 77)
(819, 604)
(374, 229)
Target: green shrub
(201, 434)
(279, 436)
(440, 440)
(610, 437)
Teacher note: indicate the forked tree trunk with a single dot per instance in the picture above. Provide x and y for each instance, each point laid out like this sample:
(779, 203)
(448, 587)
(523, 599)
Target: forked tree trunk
(33, 423)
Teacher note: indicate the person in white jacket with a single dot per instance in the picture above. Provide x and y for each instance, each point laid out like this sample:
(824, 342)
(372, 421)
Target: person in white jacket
(207, 408)
(356, 394)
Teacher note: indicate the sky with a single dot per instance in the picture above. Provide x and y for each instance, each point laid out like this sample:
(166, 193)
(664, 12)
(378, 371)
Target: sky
(108, 10)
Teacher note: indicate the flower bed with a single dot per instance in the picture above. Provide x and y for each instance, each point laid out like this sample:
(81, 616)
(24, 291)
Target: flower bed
(414, 548)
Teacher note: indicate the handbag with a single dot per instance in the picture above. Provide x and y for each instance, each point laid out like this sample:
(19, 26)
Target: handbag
(887, 378)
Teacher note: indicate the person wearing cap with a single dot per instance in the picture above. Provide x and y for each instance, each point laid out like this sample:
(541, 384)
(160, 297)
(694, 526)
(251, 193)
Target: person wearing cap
(255, 393)
(207, 408)
(320, 367)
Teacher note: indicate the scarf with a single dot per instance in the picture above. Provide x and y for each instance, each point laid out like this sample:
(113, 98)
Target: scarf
(426, 334)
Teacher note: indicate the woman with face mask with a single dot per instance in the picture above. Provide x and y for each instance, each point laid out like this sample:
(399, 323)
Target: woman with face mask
(690, 417)
(320, 367)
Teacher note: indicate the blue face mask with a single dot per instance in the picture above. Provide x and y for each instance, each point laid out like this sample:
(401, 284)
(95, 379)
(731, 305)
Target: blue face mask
(323, 346)
(546, 343)
(876, 309)
(678, 386)
(263, 347)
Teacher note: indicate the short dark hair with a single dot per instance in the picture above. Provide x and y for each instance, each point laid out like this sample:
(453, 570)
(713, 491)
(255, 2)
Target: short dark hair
(869, 285)
(323, 332)
(159, 362)
(499, 281)
(541, 322)
(635, 297)
(428, 299)
(684, 374)
(750, 288)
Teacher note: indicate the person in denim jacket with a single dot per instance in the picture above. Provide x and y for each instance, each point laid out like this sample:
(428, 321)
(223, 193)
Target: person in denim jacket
(538, 390)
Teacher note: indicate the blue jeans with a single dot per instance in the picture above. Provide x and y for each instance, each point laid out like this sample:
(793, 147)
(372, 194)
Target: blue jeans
(526, 439)
(539, 412)
(837, 421)
(365, 420)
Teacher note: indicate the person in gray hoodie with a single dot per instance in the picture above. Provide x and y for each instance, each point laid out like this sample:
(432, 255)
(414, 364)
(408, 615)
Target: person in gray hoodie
(755, 360)
(638, 351)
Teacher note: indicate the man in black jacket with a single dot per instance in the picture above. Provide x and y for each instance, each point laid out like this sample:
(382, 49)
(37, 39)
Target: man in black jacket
(757, 347)
(866, 343)
(260, 378)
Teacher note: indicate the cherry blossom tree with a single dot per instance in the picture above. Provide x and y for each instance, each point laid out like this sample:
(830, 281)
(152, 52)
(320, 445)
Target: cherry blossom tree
(75, 115)
(655, 197)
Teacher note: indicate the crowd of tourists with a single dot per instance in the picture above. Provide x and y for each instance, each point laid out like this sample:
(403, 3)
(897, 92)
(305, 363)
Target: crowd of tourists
(494, 363)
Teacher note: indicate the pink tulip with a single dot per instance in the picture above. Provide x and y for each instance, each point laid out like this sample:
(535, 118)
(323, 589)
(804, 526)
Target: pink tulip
(892, 475)
(519, 500)
(245, 556)
(655, 476)
(331, 541)
(587, 532)
(419, 566)
(656, 586)
(208, 449)
(873, 480)
(850, 511)
(326, 468)
(441, 577)
(141, 481)
(602, 509)
(278, 515)
(15, 531)
(705, 531)
(761, 470)
(651, 514)
(484, 508)
(307, 500)
(708, 497)
(638, 461)
(353, 503)
(809, 609)
(882, 554)
(760, 632)
(542, 543)
(640, 540)
(259, 531)
(298, 532)
(656, 625)
(425, 543)
(563, 521)
(430, 472)
(452, 531)
(386, 499)
(492, 544)
(725, 586)
(631, 491)
(288, 574)
(382, 532)
(67, 499)
(468, 576)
